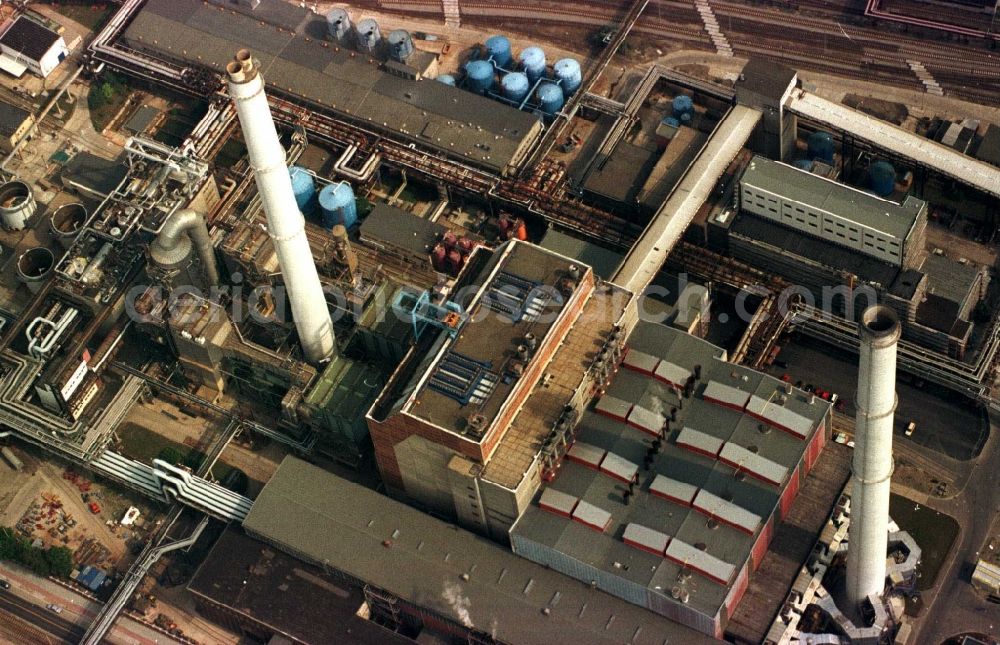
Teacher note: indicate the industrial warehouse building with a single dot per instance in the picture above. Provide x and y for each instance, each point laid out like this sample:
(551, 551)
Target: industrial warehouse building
(28, 45)
(425, 574)
(677, 479)
(288, 42)
(15, 123)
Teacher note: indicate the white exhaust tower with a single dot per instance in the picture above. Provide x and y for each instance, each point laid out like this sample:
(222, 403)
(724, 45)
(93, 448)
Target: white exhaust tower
(284, 221)
(872, 466)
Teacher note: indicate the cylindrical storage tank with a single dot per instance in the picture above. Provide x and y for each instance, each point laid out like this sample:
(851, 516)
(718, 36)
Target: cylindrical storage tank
(550, 98)
(567, 71)
(498, 48)
(682, 105)
(803, 164)
(337, 203)
(533, 63)
(338, 25)
(515, 86)
(447, 79)
(400, 45)
(34, 266)
(671, 121)
(479, 74)
(66, 221)
(17, 205)
(821, 146)
(304, 187)
(369, 36)
(685, 118)
(882, 178)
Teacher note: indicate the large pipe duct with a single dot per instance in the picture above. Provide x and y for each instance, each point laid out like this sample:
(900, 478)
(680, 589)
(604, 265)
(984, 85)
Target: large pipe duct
(173, 243)
(285, 223)
(872, 466)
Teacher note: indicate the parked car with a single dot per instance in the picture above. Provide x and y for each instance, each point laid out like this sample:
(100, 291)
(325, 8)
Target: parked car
(4, 584)
(54, 608)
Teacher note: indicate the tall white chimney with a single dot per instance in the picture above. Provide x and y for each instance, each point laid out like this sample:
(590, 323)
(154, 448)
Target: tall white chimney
(284, 221)
(872, 466)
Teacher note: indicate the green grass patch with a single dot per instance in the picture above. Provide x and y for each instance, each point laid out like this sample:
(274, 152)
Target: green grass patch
(107, 95)
(89, 14)
(934, 533)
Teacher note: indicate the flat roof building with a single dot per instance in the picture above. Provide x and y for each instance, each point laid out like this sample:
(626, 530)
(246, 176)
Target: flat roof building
(436, 574)
(835, 212)
(677, 477)
(28, 45)
(288, 43)
(15, 122)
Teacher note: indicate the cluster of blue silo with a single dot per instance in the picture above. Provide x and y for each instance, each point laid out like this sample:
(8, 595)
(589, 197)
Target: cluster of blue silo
(515, 86)
(683, 108)
(447, 79)
(479, 76)
(882, 178)
(821, 146)
(550, 98)
(337, 205)
(533, 63)
(498, 49)
(304, 187)
(569, 74)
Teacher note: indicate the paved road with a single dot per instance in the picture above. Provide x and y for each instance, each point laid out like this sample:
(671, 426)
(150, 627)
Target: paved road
(57, 627)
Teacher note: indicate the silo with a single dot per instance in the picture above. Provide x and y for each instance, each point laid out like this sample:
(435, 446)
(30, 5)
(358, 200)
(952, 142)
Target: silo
(803, 164)
(338, 26)
(682, 105)
(369, 36)
(550, 97)
(447, 79)
(17, 205)
(533, 63)
(479, 74)
(498, 48)
(515, 86)
(336, 201)
(304, 187)
(821, 146)
(66, 221)
(567, 71)
(400, 45)
(34, 266)
(882, 178)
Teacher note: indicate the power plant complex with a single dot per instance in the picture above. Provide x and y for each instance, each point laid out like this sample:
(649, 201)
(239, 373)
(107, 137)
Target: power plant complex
(427, 340)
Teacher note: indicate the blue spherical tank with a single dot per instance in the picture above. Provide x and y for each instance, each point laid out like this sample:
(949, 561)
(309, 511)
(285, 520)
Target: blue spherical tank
(803, 164)
(533, 63)
(882, 178)
(400, 45)
(447, 79)
(336, 201)
(498, 48)
(821, 146)
(683, 105)
(515, 86)
(369, 36)
(567, 71)
(550, 97)
(338, 25)
(685, 118)
(671, 121)
(304, 187)
(479, 74)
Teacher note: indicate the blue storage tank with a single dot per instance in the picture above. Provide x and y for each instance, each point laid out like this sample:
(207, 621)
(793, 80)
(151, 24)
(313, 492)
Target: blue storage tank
(821, 146)
(671, 121)
(533, 63)
(550, 97)
(447, 79)
(683, 105)
(515, 86)
(882, 178)
(304, 187)
(338, 25)
(480, 76)
(685, 118)
(400, 45)
(803, 164)
(567, 71)
(369, 36)
(336, 201)
(498, 47)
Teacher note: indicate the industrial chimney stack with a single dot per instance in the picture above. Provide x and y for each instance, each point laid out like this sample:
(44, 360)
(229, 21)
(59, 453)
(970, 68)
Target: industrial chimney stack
(872, 466)
(284, 221)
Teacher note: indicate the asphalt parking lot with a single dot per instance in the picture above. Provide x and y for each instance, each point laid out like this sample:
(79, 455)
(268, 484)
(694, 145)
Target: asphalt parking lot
(946, 422)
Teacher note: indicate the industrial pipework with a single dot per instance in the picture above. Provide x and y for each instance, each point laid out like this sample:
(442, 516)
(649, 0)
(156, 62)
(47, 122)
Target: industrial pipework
(172, 247)
(872, 466)
(285, 223)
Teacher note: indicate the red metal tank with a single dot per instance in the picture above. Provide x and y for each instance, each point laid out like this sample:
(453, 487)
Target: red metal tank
(505, 226)
(520, 229)
(455, 261)
(438, 257)
(448, 239)
(465, 245)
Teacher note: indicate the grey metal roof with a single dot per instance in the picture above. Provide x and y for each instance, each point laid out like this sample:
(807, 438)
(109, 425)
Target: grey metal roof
(11, 118)
(948, 278)
(765, 77)
(391, 225)
(604, 262)
(327, 520)
(457, 123)
(850, 203)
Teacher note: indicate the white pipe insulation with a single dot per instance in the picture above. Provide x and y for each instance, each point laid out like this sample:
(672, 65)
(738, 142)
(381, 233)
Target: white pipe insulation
(285, 223)
(872, 465)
